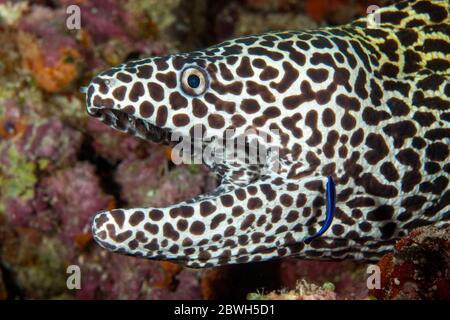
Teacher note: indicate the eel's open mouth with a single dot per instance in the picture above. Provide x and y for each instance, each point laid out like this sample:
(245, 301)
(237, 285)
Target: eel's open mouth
(122, 121)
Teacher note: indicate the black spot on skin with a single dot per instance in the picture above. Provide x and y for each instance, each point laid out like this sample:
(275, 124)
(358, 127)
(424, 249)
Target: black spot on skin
(168, 78)
(119, 217)
(407, 37)
(379, 148)
(144, 72)
(389, 70)
(182, 225)
(437, 134)
(269, 193)
(248, 221)
(220, 105)
(136, 92)
(418, 143)
(437, 187)
(321, 43)
(119, 93)
(337, 229)
(436, 12)
(231, 50)
(292, 102)
(206, 208)
(146, 109)
(328, 148)
(136, 218)
(398, 107)
(170, 232)
(199, 109)
(227, 200)
(156, 215)
(432, 167)
(290, 123)
(328, 117)
(374, 187)
(400, 131)
(233, 88)
(124, 77)
(384, 212)
(414, 203)
(225, 72)
(438, 64)
(402, 87)
(215, 222)
(177, 101)
(286, 200)
(348, 103)
(432, 82)
(250, 105)
(155, 91)
(389, 171)
(318, 75)
(392, 17)
(389, 47)
(161, 116)
(412, 62)
(361, 202)
(216, 121)
(425, 119)
(410, 179)
(268, 73)
(254, 88)
(238, 120)
(437, 151)
(289, 77)
(311, 121)
(388, 230)
(375, 93)
(245, 69)
(357, 137)
(180, 120)
(348, 122)
(408, 157)
(272, 112)
(254, 203)
(259, 63)
(365, 226)
(197, 228)
(373, 117)
(260, 51)
(237, 211)
(161, 63)
(360, 85)
(362, 54)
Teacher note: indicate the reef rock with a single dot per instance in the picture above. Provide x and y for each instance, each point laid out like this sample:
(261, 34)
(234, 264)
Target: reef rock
(419, 267)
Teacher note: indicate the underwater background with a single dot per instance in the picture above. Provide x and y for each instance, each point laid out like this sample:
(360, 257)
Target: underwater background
(58, 166)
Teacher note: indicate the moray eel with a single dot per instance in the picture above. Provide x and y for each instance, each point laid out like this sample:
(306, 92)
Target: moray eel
(367, 106)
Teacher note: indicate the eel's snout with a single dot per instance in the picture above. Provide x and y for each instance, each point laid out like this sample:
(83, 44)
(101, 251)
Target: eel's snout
(113, 230)
(98, 95)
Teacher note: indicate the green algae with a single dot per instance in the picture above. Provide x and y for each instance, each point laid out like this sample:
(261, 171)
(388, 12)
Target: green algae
(17, 180)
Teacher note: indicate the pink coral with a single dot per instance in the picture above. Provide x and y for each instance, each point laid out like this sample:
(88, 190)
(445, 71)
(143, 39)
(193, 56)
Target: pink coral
(72, 195)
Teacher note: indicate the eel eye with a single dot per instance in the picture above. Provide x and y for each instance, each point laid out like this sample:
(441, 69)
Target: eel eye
(194, 81)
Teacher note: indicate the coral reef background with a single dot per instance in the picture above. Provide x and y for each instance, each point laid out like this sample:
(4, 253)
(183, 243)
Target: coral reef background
(58, 166)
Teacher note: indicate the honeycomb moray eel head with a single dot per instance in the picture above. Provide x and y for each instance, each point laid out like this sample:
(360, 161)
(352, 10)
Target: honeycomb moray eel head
(367, 107)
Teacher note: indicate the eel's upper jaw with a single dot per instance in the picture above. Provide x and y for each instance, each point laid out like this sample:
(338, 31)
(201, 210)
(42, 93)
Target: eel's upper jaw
(125, 122)
(119, 119)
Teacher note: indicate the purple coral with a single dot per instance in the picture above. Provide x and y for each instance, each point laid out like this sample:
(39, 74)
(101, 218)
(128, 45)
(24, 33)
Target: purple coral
(72, 195)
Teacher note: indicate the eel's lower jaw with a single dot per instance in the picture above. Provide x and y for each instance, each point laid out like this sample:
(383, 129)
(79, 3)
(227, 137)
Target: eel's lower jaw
(125, 122)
